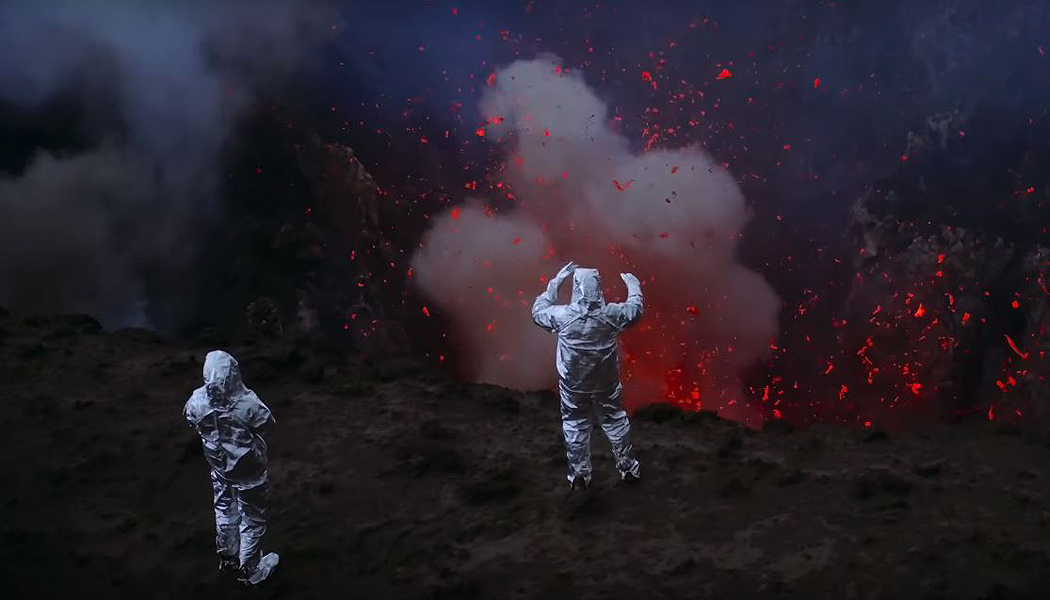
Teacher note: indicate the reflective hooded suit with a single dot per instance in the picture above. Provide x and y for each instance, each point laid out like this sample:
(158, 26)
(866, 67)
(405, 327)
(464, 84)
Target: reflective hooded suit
(232, 422)
(589, 367)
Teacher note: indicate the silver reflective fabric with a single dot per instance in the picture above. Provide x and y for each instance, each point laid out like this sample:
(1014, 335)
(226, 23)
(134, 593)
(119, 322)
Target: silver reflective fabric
(240, 521)
(232, 423)
(589, 366)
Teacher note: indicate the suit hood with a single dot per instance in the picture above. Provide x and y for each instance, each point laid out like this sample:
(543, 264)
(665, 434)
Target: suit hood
(587, 288)
(222, 379)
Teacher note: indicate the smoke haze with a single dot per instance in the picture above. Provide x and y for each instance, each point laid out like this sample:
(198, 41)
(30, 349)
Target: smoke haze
(673, 217)
(158, 88)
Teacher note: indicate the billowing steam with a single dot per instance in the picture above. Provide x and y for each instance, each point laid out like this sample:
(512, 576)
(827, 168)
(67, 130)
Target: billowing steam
(673, 217)
(159, 87)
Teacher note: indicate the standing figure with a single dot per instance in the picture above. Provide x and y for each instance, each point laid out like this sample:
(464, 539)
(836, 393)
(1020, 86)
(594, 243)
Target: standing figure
(233, 422)
(589, 366)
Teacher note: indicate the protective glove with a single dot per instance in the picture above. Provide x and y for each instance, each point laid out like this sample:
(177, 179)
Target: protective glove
(567, 270)
(554, 284)
(634, 287)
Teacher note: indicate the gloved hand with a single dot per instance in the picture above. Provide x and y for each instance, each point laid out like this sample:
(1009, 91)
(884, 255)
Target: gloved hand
(566, 271)
(633, 285)
(554, 284)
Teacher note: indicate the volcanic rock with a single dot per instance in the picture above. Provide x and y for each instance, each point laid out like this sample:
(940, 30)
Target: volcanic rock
(414, 484)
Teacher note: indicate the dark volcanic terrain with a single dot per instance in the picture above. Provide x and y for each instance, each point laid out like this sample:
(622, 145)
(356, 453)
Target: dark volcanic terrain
(391, 480)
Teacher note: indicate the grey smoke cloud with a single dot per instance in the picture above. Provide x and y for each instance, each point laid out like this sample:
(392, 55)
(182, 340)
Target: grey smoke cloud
(162, 85)
(673, 217)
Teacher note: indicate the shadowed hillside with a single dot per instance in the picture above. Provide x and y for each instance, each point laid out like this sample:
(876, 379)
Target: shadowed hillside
(391, 481)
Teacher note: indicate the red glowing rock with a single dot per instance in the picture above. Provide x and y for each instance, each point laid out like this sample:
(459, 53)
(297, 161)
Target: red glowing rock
(1013, 346)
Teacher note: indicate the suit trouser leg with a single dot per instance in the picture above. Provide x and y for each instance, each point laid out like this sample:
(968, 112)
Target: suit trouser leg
(576, 411)
(617, 428)
(252, 504)
(227, 518)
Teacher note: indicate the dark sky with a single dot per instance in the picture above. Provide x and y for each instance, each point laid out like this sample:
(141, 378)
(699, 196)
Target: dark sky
(821, 98)
(819, 104)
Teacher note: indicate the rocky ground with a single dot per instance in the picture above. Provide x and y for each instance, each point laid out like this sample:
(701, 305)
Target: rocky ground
(393, 481)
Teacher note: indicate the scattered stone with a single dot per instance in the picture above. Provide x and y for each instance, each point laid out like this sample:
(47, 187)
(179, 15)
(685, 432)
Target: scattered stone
(683, 567)
(434, 430)
(459, 590)
(71, 325)
(139, 335)
(764, 463)
(312, 372)
(420, 461)
(660, 412)
(30, 351)
(931, 468)
(503, 402)
(734, 487)
(36, 321)
(585, 504)
(876, 480)
(1009, 429)
(731, 445)
(191, 450)
(792, 478)
(875, 435)
(488, 490)
(778, 426)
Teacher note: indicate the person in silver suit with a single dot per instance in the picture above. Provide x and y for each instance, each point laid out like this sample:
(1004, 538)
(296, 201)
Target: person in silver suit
(589, 366)
(233, 423)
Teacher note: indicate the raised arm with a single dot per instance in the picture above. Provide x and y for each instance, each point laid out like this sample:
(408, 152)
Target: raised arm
(628, 313)
(542, 312)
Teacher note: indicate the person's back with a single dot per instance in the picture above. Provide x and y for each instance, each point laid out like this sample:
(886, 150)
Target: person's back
(588, 364)
(232, 423)
(232, 429)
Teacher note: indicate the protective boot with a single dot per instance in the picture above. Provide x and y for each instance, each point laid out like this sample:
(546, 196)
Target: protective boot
(632, 473)
(629, 477)
(264, 569)
(227, 564)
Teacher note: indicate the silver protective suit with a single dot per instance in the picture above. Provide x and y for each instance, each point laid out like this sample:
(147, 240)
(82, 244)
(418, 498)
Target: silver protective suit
(589, 367)
(232, 422)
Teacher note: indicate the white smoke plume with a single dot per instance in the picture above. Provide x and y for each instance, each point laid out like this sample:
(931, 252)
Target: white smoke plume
(160, 87)
(673, 217)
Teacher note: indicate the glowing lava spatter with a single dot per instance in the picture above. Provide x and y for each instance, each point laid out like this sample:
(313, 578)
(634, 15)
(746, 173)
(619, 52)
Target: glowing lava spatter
(894, 345)
(707, 317)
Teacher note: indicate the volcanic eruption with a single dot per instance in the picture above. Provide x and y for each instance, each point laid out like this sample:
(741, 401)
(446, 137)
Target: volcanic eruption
(574, 190)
